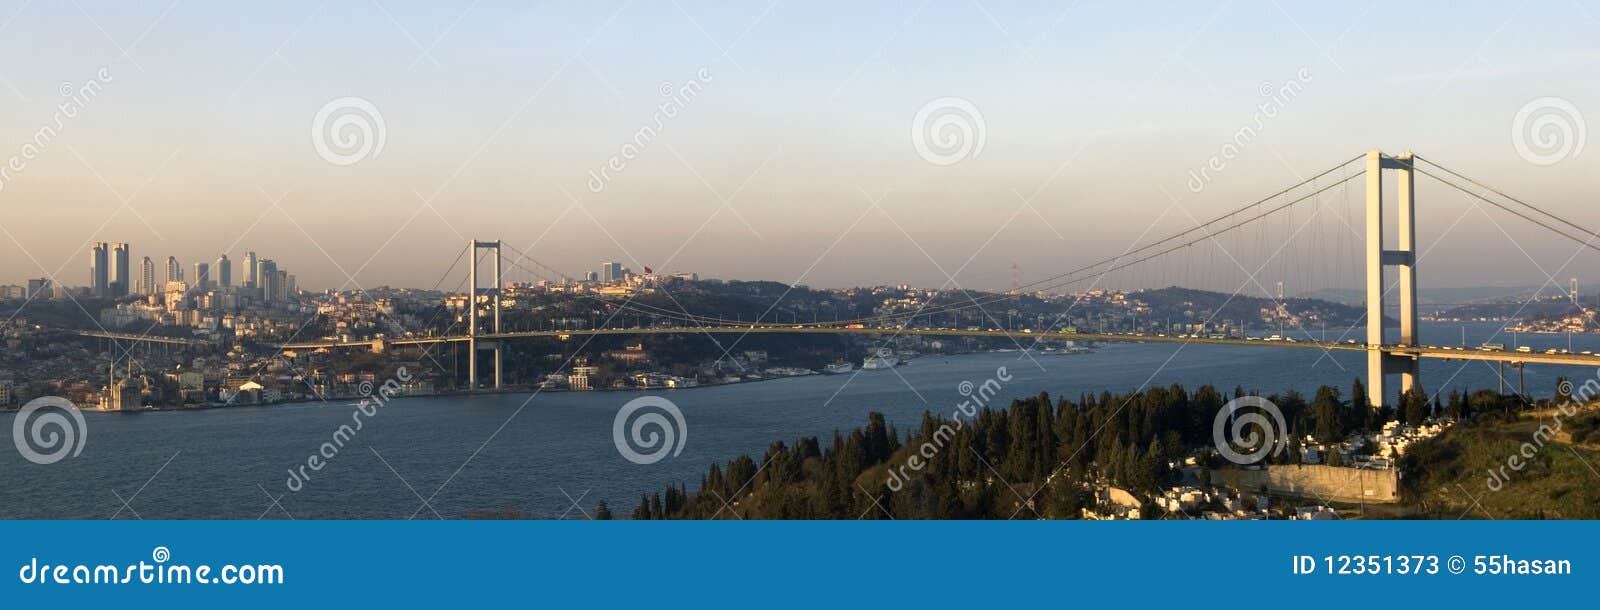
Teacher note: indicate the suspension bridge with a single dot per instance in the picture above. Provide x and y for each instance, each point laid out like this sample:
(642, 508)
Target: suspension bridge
(1196, 251)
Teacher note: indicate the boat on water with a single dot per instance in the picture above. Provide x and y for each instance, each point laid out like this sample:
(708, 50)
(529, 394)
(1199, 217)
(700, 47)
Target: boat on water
(839, 368)
(885, 358)
(1066, 351)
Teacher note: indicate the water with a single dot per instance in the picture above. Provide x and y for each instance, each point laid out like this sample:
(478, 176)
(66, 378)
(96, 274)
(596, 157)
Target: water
(509, 452)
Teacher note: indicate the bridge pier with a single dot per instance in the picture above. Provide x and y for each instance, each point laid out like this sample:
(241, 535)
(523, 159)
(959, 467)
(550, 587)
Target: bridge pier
(1381, 358)
(473, 343)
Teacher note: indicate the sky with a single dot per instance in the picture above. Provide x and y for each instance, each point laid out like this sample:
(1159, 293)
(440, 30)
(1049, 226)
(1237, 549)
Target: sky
(795, 157)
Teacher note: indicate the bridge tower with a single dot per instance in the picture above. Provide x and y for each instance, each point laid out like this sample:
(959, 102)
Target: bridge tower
(1381, 358)
(474, 344)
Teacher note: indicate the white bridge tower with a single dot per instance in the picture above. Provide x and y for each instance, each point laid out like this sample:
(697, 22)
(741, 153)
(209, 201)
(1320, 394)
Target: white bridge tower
(1383, 359)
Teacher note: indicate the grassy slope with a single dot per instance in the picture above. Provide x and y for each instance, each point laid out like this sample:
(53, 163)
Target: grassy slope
(1448, 477)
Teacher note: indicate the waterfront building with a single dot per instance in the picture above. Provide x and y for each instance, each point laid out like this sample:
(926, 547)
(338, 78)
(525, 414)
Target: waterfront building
(120, 395)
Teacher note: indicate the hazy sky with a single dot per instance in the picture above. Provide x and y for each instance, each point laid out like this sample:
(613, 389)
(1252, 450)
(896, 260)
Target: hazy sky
(796, 157)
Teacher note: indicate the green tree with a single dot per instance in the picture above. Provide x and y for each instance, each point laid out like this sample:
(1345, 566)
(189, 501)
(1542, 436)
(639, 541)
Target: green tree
(1326, 409)
(1414, 406)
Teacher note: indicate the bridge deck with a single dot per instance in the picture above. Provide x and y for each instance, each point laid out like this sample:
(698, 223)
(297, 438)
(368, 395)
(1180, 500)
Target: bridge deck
(138, 338)
(1435, 352)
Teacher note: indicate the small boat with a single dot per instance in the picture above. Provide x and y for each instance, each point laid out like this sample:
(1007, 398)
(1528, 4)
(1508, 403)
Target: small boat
(884, 359)
(874, 363)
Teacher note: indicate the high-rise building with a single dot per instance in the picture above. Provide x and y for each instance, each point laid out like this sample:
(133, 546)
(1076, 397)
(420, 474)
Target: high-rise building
(281, 285)
(290, 286)
(99, 271)
(202, 276)
(147, 281)
(120, 278)
(250, 271)
(224, 272)
(266, 276)
(174, 269)
(611, 272)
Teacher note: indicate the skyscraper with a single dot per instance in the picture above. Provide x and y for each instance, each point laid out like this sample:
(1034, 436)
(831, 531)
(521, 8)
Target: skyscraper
(266, 275)
(224, 272)
(174, 269)
(610, 272)
(99, 274)
(250, 271)
(147, 283)
(202, 276)
(120, 279)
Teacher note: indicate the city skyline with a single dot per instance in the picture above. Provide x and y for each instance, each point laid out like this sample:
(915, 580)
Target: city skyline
(836, 262)
(488, 133)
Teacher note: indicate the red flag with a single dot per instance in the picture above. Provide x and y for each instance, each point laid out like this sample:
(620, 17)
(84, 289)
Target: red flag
(648, 270)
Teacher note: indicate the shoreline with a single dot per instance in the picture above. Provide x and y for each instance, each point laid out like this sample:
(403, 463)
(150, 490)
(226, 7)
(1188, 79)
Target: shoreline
(352, 400)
